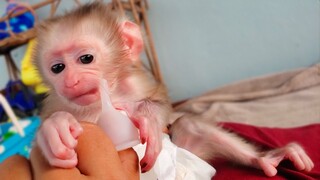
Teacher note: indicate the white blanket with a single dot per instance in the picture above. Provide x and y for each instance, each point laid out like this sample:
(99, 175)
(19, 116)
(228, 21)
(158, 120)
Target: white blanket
(175, 163)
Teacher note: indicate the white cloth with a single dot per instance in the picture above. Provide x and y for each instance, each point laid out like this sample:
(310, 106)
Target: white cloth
(175, 163)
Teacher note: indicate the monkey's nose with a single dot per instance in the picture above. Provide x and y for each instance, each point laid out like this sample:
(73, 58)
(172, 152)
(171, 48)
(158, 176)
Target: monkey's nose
(71, 82)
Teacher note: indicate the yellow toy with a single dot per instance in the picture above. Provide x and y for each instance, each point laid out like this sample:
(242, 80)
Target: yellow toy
(29, 74)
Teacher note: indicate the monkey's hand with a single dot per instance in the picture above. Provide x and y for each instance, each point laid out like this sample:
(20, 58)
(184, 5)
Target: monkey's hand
(150, 131)
(294, 152)
(150, 134)
(57, 138)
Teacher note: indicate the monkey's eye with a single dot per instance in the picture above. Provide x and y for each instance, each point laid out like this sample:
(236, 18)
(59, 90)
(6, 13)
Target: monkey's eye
(58, 68)
(86, 59)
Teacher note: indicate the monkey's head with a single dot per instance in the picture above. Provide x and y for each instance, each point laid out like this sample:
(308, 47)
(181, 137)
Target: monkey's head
(76, 50)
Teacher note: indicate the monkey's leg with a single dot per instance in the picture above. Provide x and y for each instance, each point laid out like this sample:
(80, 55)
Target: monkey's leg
(209, 141)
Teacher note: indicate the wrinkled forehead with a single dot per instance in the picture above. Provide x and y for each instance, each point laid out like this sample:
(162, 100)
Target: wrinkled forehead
(63, 34)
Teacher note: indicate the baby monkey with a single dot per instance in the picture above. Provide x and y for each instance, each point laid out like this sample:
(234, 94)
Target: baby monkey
(74, 52)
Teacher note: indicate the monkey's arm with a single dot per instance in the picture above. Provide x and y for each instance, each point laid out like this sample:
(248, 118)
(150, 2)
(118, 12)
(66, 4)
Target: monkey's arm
(150, 118)
(150, 115)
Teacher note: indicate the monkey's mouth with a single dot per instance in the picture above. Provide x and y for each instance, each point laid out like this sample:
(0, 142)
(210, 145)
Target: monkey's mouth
(86, 98)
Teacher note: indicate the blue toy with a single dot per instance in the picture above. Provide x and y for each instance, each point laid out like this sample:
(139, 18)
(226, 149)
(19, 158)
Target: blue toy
(12, 143)
(20, 98)
(16, 136)
(17, 24)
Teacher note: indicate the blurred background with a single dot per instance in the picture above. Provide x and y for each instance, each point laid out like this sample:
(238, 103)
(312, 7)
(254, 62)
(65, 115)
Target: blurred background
(202, 45)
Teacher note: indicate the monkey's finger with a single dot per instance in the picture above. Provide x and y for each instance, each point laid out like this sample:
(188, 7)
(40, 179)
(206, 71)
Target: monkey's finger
(306, 160)
(149, 158)
(142, 124)
(154, 144)
(64, 131)
(74, 126)
(64, 163)
(267, 167)
(304, 157)
(76, 129)
(294, 156)
(129, 107)
(58, 149)
(44, 146)
(310, 163)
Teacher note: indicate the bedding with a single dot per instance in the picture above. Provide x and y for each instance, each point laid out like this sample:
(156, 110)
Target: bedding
(308, 136)
(271, 111)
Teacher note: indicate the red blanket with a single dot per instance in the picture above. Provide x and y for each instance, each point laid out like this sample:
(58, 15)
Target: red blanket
(306, 136)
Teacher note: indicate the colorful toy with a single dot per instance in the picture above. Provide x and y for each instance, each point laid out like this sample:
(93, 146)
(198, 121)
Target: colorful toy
(12, 143)
(16, 137)
(16, 24)
(20, 97)
(29, 74)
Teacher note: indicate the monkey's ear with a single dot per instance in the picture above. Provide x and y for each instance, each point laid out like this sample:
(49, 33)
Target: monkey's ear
(132, 39)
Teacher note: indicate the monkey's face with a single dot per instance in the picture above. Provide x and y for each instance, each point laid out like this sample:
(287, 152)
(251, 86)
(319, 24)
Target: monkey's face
(72, 68)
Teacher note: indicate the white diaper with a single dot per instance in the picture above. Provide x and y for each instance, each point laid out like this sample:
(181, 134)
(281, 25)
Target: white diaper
(175, 163)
